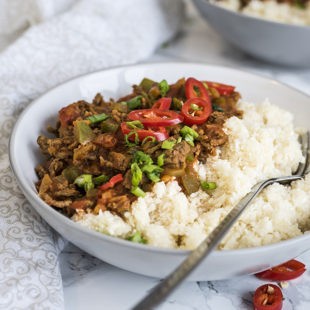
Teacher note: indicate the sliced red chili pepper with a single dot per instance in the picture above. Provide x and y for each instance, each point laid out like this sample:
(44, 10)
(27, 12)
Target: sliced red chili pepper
(162, 104)
(196, 111)
(156, 117)
(223, 89)
(268, 297)
(287, 271)
(160, 133)
(114, 180)
(195, 89)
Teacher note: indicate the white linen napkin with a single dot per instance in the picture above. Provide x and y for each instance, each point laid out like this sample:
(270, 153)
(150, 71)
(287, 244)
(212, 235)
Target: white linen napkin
(50, 42)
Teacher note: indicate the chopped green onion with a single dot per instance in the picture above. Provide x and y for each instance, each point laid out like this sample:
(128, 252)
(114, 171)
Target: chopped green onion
(179, 139)
(88, 186)
(168, 144)
(100, 179)
(134, 103)
(135, 125)
(137, 237)
(189, 135)
(128, 143)
(85, 181)
(137, 191)
(142, 158)
(136, 174)
(163, 87)
(147, 139)
(189, 139)
(145, 164)
(152, 172)
(161, 160)
(151, 168)
(208, 185)
(215, 107)
(195, 107)
(97, 118)
(153, 177)
(189, 131)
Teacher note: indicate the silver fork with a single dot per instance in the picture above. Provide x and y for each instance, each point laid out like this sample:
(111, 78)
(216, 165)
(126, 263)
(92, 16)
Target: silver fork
(164, 288)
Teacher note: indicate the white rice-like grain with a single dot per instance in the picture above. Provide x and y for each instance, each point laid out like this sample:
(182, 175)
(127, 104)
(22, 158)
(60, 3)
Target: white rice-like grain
(270, 10)
(262, 144)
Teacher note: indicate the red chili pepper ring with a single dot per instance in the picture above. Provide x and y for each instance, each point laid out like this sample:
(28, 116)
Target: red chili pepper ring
(284, 272)
(196, 111)
(156, 117)
(268, 297)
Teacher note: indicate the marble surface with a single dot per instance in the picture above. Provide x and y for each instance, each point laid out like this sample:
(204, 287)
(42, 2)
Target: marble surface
(92, 284)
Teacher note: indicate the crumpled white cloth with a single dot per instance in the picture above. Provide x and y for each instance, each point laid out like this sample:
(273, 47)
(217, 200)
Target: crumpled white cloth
(50, 42)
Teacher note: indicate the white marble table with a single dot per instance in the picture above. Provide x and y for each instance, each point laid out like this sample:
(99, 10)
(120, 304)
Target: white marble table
(92, 284)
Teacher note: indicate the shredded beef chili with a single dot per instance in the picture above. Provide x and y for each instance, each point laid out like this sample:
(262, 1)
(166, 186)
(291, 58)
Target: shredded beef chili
(104, 155)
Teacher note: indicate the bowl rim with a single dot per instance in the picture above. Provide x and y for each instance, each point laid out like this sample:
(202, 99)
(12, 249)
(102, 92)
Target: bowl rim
(32, 197)
(257, 19)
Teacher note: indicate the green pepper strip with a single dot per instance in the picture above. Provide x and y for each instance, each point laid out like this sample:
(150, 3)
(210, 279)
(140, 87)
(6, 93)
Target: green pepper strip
(134, 103)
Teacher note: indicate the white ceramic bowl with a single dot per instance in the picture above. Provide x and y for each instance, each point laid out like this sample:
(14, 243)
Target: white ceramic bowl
(275, 42)
(143, 259)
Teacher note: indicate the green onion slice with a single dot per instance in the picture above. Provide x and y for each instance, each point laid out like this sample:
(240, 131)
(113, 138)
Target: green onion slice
(137, 237)
(142, 158)
(135, 125)
(147, 139)
(189, 131)
(168, 144)
(195, 107)
(189, 139)
(208, 185)
(189, 135)
(85, 181)
(152, 172)
(128, 143)
(137, 191)
(97, 118)
(136, 174)
(161, 160)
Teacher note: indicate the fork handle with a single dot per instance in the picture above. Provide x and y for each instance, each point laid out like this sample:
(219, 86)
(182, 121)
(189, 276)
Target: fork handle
(165, 287)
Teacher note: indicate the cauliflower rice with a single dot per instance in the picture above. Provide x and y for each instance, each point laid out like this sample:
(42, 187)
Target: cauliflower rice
(271, 10)
(262, 144)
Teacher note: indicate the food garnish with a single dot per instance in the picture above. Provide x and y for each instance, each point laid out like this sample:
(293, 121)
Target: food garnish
(287, 271)
(223, 89)
(107, 154)
(268, 297)
(111, 183)
(162, 104)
